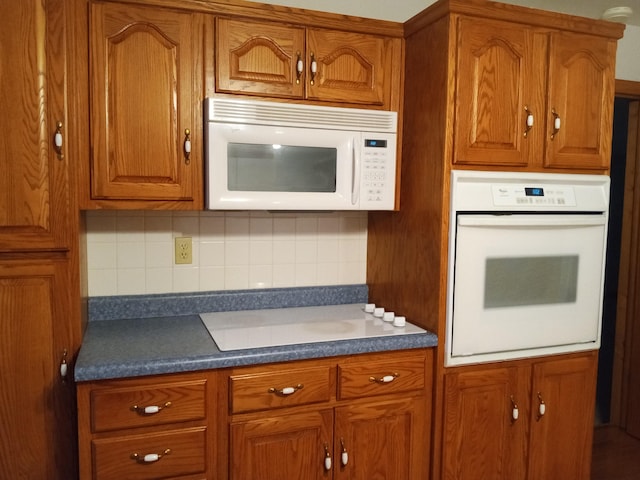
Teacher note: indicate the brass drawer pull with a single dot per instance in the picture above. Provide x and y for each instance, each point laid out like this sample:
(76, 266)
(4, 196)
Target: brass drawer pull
(286, 390)
(150, 409)
(385, 379)
(150, 457)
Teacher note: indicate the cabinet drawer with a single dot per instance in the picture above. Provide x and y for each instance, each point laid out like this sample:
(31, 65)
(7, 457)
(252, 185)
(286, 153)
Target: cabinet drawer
(126, 407)
(261, 391)
(181, 452)
(380, 377)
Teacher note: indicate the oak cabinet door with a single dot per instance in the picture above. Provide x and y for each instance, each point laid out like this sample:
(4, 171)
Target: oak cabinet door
(496, 89)
(349, 67)
(37, 438)
(145, 86)
(382, 440)
(292, 446)
(259, 58)
(482, 439)
(34, 183)
(580, 101)
(560, 443)
(274, 60)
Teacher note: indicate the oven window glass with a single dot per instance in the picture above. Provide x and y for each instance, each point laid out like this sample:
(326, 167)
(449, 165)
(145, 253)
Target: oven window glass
(520, 281)
(281, 168)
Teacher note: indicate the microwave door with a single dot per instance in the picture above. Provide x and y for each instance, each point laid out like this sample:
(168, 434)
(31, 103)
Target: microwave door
(279, 168)
(525, 282)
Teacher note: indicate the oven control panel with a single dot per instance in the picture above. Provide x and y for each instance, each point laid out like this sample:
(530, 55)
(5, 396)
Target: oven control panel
(521, 195)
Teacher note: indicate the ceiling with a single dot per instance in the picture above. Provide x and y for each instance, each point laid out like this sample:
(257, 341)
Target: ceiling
(583, 8)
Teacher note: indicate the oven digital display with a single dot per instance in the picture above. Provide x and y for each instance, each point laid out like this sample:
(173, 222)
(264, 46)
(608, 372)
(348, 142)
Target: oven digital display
(534, 192)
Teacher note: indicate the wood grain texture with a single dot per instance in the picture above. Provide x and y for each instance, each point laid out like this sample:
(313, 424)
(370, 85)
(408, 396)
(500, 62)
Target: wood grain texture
(109, 431)
(147, 71)
(36, 407)
(34, 185)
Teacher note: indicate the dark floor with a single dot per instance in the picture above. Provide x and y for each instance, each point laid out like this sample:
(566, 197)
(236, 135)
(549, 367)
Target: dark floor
(616, 455)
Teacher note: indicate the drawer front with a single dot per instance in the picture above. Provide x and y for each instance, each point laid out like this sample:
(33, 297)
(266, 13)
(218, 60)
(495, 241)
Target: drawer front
(180, 452)
(125, 407)
(380, 377)
(267, 390)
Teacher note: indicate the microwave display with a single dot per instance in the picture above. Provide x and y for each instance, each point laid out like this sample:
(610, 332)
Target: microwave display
(281, 168)
(375, 143)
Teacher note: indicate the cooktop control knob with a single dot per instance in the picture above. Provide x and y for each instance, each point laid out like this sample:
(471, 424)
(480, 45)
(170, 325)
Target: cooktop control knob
(388, 316)
(399, 321)
(369, 307)
(378, 312)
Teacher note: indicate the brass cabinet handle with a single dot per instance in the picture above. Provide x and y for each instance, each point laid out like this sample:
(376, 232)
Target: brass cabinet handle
(556, 123)
(149, 409)
(64, 367)
(283, 392)
(344, 456)
(149, 457)
(187, 146)
(542, 408)
(385, 379)
(57, 140)
(528, 125)
(299, 67)
(313, 68)
(515, 411)
(327, 458)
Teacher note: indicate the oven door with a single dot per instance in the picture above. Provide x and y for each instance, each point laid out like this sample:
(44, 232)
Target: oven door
(524, 285)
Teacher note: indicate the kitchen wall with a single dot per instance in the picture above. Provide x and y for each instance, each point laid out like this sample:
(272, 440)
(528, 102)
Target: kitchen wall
(627, 64)
(132, 253)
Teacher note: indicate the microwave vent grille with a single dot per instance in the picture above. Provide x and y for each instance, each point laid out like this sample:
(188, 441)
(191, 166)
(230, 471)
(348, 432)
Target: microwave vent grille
(302, 116)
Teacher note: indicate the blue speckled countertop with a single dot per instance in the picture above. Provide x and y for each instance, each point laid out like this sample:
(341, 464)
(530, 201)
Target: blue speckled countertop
(135, 336)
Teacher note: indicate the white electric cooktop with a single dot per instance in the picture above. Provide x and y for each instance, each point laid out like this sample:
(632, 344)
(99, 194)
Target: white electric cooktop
(288, 326)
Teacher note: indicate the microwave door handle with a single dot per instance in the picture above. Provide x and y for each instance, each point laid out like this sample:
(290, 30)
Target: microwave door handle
(553, 220)
(355, 172)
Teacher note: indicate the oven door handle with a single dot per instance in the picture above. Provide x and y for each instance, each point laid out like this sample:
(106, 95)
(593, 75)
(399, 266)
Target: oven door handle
(514, 220)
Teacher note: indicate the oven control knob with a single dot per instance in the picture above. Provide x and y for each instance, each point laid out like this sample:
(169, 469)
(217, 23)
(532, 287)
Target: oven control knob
(378, 312)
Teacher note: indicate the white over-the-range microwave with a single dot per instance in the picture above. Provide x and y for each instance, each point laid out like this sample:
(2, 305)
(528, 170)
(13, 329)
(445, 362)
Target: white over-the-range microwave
(283, 156)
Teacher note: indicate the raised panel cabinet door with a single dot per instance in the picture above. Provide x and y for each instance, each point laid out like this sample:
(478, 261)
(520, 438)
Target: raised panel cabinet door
(386, 440)
(37, 438)
(292, 447)
(499, 93)
(560, 443)
(485, 424)
(349, 67)
(34, 183)
(580, 101)
(145, 94)
(260, 58)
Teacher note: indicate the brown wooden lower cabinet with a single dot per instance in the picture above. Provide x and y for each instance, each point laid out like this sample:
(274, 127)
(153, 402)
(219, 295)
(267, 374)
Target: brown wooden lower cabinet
(528, 419)
(368, 418)
(349, 418)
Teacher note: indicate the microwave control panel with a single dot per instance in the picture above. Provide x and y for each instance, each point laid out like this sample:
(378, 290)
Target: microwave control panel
(377, 187)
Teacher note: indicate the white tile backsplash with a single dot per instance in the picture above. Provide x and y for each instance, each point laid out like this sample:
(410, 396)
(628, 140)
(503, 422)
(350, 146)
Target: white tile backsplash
(132, 252)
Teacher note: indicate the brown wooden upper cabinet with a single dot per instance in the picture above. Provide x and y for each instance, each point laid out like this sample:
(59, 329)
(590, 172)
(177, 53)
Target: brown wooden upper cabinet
(530, 97)
(34, 160)
(286, 61)
(146, 87)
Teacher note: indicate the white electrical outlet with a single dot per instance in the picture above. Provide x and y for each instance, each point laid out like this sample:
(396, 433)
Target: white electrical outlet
(183, 253)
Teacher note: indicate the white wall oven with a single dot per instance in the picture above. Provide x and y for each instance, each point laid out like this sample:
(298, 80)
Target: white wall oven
(526, 264)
